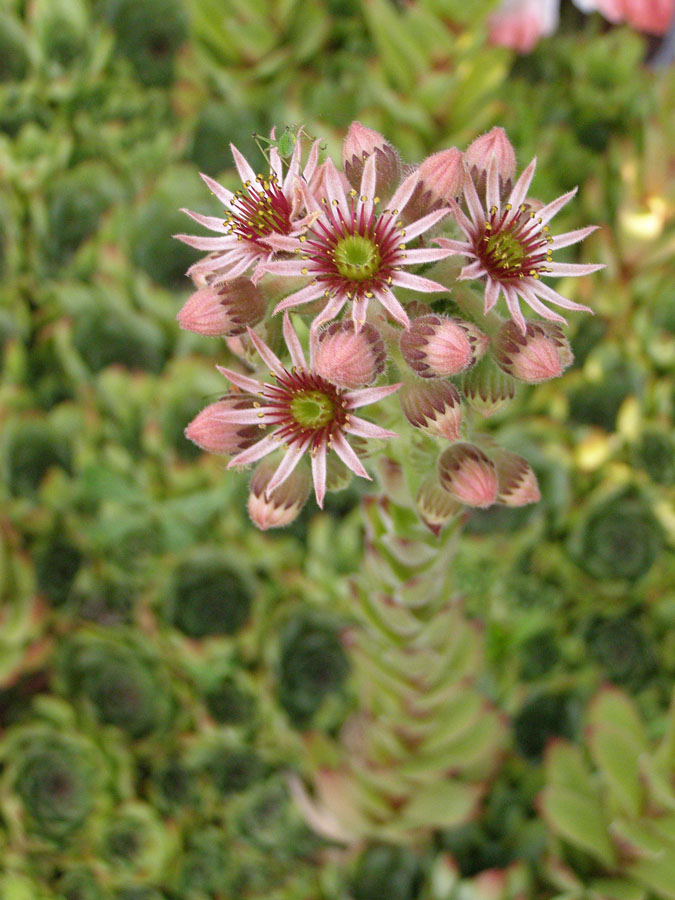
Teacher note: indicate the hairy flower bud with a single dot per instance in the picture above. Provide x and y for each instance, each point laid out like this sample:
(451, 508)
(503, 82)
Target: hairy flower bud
(434, 406)
(283, 505)
(435, 506)
(359, 144)
(517, 481)
(441, 178)
(209, 431)
(493, 148)
(468, 474)
(348, 358)
(223, 310)
(541, 353)
(438, 345)
(487, 389)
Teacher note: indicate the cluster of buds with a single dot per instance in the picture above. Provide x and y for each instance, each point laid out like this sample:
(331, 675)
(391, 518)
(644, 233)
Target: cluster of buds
(332, 256)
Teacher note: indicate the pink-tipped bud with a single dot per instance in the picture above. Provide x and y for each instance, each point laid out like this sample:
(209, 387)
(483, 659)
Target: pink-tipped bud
(441, 178)
(487, 389)
(223, 310)
(517, 481)
(540, 354)
(493, 148)
(436, 346)
(435, 506)
(434, 406)
(469, 475)
(283, 505)
(359, 144)
(348, 358)
(208, 430)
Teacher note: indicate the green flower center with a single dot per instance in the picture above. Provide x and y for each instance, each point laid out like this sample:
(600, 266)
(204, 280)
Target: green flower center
(505, 251)
(312, 409)
(357, 258)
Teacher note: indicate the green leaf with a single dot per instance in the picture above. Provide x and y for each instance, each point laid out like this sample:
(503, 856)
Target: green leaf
(441, 805)
(578, 818)
(616, 754)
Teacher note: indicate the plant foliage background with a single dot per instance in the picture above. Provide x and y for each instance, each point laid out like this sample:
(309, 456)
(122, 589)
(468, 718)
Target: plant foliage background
(163, 665)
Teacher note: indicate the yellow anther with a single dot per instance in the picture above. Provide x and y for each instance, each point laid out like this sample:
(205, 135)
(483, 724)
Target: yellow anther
(508, 207)
(304, 270)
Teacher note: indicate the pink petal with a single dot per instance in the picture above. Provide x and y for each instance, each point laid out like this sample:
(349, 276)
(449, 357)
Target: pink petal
(205, 243)
(364, 396)
(213, 222)
(572, 269)
(514, 308)
(254, 453)
(304, 295)
(237, 269)
(240, 416)
(464, 223)
(425, 223)
(319, 474)
(291, 458)
(547, 293)
(491, 294)
(330, 310)
(359, 310)
(528, 294)
(522, 186)
(283, 242)
(492, 187)
(269, 358)
(293, 344)
(250, 385)
(218, 190)
(246, 173)
(417, 283)
(334, 189)
(275, 162)
(473, 202)
(473, 270)
(404, 192)
(283, 266)
(362, 428)
(348, 457)
(571, 237)
(393, 307)
(413, 257)
(455, 246)
(368, 180)
(312, 161)
(546, 213)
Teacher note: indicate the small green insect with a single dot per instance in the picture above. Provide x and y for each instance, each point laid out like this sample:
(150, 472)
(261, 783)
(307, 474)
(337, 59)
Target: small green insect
(285, 144)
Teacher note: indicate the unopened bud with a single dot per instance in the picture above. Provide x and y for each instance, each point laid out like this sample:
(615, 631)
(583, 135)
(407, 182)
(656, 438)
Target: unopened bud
(435, 506)
(283, 505)
(360, 143)
(434, 406)
(209, 431)
(223, 310)
(517, 481)
(493, 148)
(441, 178)
(540, 354)
(348, 358)
(436, 346)
(487, 389)
(468, 474)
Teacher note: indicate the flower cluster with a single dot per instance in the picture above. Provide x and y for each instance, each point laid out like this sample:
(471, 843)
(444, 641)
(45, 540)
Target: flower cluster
(343, 252)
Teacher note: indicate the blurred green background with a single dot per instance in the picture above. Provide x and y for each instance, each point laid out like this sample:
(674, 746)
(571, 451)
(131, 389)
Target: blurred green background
(161, 662)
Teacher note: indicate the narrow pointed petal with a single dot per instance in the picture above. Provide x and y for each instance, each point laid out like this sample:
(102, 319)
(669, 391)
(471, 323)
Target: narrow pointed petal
(572, 269)
(293, 344)
(334, 189)
(404, 192)
(425, 223)
(514, 308)
(205, 243)
(529, 296)
(283, 267)
(473, 201)
(291, 458)
(213, 222)
(312, 162)
(546, 213)
(492, 186)
(414, 257)
(283, 242)
(304, 295)
(240, 416)
(571, 237)
(246, 173)
(547, 293)
(359, 309)
(367, 190)
(275, 163)
(254, 453)
(473, 270)
(319, 474)
(463, 222)
(362, 428)
(369, 395)
(237, 269)
(454, 246)
(393, 307)
(418, 283)
(491, 294)
(250, 385)
(348, 457)
(270, 359)
(522, 186)
(218, 190)
(330, 310)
